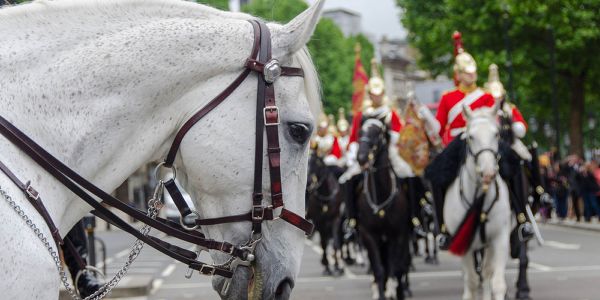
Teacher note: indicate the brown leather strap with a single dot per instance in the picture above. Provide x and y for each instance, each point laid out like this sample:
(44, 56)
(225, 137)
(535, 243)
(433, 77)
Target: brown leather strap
(259, 67)
(81, 264)
(210, 106)
(267, 116)
(177, 198)
(75, 183)
(34, 198)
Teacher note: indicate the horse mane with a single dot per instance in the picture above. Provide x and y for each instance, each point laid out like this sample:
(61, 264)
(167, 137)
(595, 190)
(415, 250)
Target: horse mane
(163, 8)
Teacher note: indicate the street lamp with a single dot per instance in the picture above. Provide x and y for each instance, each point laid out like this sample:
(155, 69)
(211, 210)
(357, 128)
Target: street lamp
(506, 26)
(553, 83)
(592, 126)
(548, 132)
(533, 124)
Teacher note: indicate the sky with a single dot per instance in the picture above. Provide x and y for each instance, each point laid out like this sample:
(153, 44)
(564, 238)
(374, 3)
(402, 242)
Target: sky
(379, 17)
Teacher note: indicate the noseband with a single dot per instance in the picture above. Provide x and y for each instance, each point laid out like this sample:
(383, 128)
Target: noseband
(267, 119)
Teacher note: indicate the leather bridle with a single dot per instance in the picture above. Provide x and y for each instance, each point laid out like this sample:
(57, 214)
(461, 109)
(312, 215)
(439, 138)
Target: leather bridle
(267, 119)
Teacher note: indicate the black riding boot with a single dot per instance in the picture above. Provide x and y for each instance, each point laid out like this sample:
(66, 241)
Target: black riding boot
(415, 192)
(441, 172)
(444, 236)
(87, 283)
(351, 206)
(518, 203)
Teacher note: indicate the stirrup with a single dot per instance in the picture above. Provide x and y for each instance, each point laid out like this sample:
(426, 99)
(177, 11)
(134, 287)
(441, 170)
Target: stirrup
(444, 241)
(525, 232)
(88, 269)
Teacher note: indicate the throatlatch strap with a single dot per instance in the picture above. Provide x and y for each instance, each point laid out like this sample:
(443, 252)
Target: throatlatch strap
(34, 198)
(177, 197)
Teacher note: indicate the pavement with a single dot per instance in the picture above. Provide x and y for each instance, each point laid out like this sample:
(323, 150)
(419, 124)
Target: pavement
(567, 267)
(594, 225)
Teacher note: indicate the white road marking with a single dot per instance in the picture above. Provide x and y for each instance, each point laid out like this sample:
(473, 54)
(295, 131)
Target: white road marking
(562, 246)
(168, 270)
(314, 246)
(156, 284)
(108, 262)
(133, 270)
(439, 274)
(540, 267)
(122, 253)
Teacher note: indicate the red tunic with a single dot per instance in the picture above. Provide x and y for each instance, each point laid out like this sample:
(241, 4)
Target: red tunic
(335, 149)
(517, 116)
(395, 125)
(449, 112)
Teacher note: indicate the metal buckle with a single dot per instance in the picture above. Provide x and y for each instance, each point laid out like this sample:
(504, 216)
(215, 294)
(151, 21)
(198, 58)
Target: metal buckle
(162, 164)
(32, 193)
(230, 252)
(182, 223)
(258, 213)
(271, 108)
(272, 70)
(211, 269)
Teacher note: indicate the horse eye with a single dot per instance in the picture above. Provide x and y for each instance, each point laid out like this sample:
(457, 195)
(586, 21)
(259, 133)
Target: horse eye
(300, 132)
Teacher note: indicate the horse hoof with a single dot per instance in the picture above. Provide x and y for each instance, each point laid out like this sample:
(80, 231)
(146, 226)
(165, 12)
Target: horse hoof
(327, 272)
(339, 272)
(522, 296)
(408, 293)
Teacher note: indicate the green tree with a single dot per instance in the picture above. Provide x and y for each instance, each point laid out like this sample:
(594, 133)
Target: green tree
(332, 53)
(532, 27)
(220, 4)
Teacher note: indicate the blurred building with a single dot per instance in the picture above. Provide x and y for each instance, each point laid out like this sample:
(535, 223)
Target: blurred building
(401, 74)
(347, 20)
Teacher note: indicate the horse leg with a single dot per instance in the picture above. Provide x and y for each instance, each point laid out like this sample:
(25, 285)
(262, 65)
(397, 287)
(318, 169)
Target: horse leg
(324, 237)
(404, 262)
(494, 267)
(428, 256)
(435, 251)
(337, 246)
(470, 277)
(522, 283)
(376, 265)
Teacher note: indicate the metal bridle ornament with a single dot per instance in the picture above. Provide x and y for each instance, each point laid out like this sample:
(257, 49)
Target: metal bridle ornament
(267, 121)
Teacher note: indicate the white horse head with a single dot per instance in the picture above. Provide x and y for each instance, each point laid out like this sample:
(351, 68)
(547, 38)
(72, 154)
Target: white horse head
(478, 178)
(104, 86)
(482, 135)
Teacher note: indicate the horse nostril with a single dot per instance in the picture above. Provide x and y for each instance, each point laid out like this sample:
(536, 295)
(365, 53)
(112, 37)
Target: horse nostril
(284, 289)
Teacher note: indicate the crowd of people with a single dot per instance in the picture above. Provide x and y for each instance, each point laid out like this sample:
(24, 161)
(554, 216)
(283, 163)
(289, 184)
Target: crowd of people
(574, 185)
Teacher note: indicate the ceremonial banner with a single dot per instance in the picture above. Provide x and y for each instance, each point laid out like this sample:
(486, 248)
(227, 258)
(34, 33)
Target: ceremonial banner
(359, 80)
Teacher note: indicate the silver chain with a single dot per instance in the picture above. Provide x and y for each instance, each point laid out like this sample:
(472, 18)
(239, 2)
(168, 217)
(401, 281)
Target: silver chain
(154, 206)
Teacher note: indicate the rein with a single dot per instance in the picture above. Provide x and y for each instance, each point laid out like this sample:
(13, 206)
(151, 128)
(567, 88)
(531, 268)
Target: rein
(377, 208)
(315, 186)
(478, 200)
(267, 119)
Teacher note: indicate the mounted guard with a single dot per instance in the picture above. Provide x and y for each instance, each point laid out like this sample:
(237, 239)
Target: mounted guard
(513, 152)
(326, 145)
(451, 124)
(375, 108)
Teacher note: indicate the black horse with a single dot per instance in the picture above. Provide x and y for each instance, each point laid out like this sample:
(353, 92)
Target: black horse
(530, 182)
(324, 199)
(383, 218)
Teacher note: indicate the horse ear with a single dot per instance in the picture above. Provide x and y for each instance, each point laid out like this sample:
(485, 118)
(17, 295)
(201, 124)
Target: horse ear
(467, 111)
(295, 34)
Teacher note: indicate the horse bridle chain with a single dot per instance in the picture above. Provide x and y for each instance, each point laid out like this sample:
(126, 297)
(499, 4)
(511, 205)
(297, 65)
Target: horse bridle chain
(267, 119)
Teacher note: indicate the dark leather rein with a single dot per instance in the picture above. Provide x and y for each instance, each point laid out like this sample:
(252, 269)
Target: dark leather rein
(267, 117)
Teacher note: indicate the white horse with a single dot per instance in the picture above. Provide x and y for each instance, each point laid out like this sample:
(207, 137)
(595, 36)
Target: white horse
(105, 85)
(479, 178)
